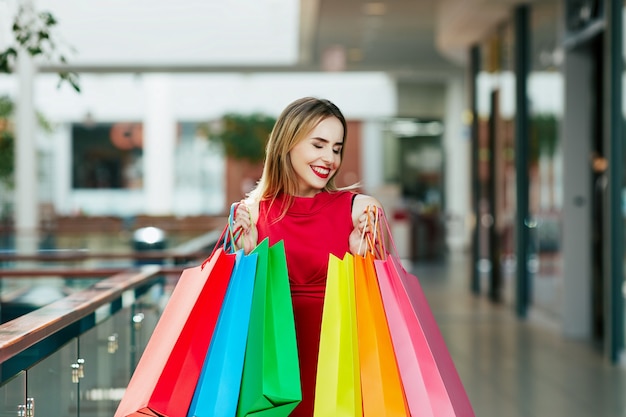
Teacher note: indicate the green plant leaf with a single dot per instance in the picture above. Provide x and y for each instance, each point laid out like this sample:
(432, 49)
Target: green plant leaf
(244, 136)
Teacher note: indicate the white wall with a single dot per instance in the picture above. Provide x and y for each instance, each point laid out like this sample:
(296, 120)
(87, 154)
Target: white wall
(202, 97)
(369, 97)
(457, 148)
(544, 88)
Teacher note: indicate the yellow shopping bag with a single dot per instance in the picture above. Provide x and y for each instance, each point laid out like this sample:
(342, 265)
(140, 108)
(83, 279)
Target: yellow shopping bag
(338, 387)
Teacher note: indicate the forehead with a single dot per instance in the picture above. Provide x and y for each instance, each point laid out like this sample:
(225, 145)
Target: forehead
(329, 128)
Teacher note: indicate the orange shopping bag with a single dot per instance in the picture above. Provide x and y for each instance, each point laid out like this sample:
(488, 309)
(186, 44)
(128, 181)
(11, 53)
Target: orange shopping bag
(381, 385)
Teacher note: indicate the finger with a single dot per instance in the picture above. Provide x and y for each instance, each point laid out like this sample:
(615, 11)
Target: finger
(243, 209)
(242, 217)
(242, 223)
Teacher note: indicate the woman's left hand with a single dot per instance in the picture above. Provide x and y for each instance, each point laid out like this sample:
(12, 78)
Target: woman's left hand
(358, 246)
(364, 214)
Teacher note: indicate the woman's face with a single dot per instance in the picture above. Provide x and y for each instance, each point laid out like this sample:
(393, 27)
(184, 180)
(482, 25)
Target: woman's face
(316, 158)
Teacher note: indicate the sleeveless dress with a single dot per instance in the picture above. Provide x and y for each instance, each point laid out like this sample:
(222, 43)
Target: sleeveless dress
(312, 228)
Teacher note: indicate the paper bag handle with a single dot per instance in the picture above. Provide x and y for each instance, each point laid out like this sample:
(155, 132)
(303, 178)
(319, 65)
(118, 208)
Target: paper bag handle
(376, 245)
(228, 237)
(374, 240)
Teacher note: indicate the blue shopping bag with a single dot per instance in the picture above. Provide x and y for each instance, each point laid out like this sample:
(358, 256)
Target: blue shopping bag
(217, 390)
(271, 375)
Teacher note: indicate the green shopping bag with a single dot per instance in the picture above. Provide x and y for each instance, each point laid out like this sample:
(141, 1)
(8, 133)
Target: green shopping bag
(270, 385)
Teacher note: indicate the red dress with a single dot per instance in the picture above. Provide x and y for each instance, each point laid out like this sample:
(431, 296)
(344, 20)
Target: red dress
(311, 229)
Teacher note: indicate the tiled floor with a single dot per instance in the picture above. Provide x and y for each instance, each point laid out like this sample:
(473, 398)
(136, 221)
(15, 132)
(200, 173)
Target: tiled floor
(512, 367)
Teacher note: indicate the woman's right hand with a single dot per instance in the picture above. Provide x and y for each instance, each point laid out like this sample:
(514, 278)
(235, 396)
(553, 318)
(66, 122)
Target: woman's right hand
(243, 222)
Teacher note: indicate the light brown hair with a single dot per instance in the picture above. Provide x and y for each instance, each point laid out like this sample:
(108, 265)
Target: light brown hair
(293, 125)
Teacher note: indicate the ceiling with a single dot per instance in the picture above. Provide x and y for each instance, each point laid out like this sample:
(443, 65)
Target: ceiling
(396, 36)
(410, 39)
(416, 39)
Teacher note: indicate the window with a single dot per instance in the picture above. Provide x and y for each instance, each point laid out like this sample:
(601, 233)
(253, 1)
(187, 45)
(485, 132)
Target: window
(107, 156)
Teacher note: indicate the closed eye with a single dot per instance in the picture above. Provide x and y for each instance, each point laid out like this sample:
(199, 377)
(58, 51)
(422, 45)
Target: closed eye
(320, 143)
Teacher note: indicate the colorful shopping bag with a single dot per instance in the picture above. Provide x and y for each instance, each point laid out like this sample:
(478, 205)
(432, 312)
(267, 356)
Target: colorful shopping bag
(270, 384)
(381, 385)
(217, 391)
(164, 381)
(338, 386)
(430, 379)
(407, 357)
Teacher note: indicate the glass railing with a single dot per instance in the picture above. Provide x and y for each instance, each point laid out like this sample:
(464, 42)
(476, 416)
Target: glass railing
(80, 366)
(73, 353)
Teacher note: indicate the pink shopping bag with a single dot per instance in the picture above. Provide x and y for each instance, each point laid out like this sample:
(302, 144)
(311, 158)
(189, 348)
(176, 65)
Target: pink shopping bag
(431, 382)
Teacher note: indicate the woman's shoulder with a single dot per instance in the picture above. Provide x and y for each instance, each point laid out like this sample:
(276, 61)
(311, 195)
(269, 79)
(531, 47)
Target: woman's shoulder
(361, 201)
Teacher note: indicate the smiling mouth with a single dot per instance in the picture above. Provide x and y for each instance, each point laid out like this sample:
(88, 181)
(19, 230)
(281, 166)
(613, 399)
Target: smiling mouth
(321, 172)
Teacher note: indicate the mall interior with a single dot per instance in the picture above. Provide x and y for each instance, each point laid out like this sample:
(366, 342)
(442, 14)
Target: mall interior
(491, 131)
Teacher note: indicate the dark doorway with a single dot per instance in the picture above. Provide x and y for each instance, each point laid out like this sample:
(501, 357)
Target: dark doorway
(598, 162)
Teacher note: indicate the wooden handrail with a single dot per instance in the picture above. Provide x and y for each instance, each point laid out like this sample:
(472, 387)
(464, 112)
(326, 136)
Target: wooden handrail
(77, 273)
(29, 329)
(194, 248)
(85, 254)
(25, 331)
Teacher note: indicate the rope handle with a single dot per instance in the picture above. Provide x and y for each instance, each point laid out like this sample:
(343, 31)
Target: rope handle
(236, 234)
(215, 248)
(389, 235)
(374, 240)
(229, 236)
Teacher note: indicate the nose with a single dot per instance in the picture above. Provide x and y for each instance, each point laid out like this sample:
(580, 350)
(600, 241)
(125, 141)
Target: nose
(328, 156)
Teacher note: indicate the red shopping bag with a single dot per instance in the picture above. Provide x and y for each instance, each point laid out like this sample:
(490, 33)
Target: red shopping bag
(431, 383)
(164, 381)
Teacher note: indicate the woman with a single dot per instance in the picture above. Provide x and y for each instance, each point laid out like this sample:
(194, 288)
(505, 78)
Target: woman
(296, 201)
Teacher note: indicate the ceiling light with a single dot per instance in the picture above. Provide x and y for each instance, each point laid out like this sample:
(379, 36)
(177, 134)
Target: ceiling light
(375, 8)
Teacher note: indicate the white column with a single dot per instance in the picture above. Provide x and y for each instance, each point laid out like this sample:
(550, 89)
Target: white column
(26, 164)
(456, 144)
(63, 203)
(371, 155)
(159, 139)
(577, 196)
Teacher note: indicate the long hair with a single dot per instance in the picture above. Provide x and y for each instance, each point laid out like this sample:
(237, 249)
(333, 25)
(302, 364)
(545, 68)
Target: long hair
(293, 125)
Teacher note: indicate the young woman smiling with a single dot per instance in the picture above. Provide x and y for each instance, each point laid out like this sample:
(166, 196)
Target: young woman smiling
(296, 200)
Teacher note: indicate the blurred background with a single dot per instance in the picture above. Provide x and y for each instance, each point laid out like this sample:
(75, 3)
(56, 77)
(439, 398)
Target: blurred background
(175, 102)
(491, 130)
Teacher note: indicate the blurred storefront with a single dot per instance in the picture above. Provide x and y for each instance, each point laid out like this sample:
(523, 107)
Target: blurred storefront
(548, 163)
(523, 157)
